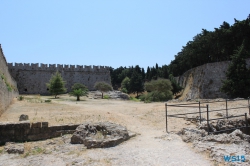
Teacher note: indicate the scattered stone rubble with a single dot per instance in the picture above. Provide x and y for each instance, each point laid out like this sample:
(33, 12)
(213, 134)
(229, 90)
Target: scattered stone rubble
(222, 124)
(111, 94)
(12, 147)
(235, 143)
(100, 135)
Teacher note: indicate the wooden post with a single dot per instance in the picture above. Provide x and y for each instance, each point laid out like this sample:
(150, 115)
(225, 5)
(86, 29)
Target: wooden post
(226, 109)
(246, 120)
(248, 106)
(208, 127)
(200, 110)
(166, 108)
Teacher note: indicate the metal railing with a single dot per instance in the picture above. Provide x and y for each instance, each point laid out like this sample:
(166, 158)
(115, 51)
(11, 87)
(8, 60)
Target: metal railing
(199, 112)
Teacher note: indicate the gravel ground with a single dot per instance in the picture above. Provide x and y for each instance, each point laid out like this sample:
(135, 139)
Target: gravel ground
(151, 146)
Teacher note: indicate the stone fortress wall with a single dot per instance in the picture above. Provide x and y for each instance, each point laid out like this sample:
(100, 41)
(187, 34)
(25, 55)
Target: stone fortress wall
(8, 86)
(205, 81)
(32, 78)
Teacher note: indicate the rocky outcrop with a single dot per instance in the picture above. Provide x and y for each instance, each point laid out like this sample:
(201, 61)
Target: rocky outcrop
(110, 94)
(221, 125)
(204, 82)
(11, 147)
(99, 135)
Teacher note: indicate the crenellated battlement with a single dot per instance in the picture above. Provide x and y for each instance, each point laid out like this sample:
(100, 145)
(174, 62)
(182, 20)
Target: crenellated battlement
(59, 67)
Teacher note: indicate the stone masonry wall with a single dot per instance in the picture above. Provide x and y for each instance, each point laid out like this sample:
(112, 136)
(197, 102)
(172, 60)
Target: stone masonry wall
(204, 82)
(8, 86)
(32, 78)
(24, 131)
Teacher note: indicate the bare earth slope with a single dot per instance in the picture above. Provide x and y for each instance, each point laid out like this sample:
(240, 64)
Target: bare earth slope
(151, 146)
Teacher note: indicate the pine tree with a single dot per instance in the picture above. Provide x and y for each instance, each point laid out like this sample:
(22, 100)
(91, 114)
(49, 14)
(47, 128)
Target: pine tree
(56, 84)
(238, 76)
(136, 83)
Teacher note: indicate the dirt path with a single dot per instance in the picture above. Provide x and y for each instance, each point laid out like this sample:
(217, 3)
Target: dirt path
(151, 146)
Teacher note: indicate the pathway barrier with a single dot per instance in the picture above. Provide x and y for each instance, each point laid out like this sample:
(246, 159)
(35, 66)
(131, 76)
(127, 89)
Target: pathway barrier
(200, 112)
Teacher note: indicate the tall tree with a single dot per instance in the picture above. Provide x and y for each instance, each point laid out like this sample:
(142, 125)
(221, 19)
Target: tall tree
(56, 84)
(238, 76)
(136, 83)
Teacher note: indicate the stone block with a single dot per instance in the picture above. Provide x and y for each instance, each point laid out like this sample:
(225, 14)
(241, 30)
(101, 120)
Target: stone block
(35, 131)
(55, 128)
(36, 125)
(69, 127)
(45, 124)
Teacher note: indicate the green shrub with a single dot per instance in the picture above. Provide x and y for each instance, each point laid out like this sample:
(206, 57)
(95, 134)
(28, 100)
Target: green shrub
(20, 98)
(134, 99)
(142, 97)
(9, 87)
(124, 90)
(158, 96)
(106, 97)
(47, 101)
(158, 90)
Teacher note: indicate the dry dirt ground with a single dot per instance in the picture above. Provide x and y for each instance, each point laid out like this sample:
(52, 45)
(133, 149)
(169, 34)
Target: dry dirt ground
(151, 146)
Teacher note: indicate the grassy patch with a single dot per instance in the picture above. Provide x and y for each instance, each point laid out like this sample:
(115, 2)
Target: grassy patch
(134, 99)
(47, 101)
(1, 150)
(20, 98)
(106, 97)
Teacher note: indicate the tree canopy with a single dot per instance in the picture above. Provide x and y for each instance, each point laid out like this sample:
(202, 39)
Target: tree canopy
(78, 90)
(158, 90)
(56, 84)
(238, 76)
(103, 87)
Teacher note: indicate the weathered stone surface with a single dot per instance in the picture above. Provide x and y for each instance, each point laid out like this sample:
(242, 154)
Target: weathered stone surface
(6, 95)
(204, 81)
(99, 135)
(222, 125)
(23, 117)
(112, 95)
(36, 125)
(118, 95)
(220, 145)
(23, 131)
(11, 147)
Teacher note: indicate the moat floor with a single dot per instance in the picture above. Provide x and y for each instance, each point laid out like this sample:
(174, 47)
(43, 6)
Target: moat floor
(151, 146)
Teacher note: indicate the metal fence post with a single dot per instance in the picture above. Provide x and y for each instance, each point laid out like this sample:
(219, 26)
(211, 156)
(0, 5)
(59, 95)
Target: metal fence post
(200, 110)
(166, 108)
(208, 127)
(248, 106)
(226, 109)
(246, 119)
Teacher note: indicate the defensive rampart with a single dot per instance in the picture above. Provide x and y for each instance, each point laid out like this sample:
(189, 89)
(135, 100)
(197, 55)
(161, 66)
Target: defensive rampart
(8, 86)
(24, 131)
(204, 82)
(32, 78)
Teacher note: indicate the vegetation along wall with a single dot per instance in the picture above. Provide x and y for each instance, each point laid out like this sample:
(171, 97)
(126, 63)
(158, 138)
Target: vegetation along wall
(8, 86)
(205, 81)
(32, 78)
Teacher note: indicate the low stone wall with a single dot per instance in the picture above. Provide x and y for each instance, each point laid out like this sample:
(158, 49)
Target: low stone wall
(26, 131)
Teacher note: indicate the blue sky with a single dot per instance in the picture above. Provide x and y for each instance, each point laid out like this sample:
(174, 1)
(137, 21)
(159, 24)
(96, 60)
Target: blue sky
(108, 32)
